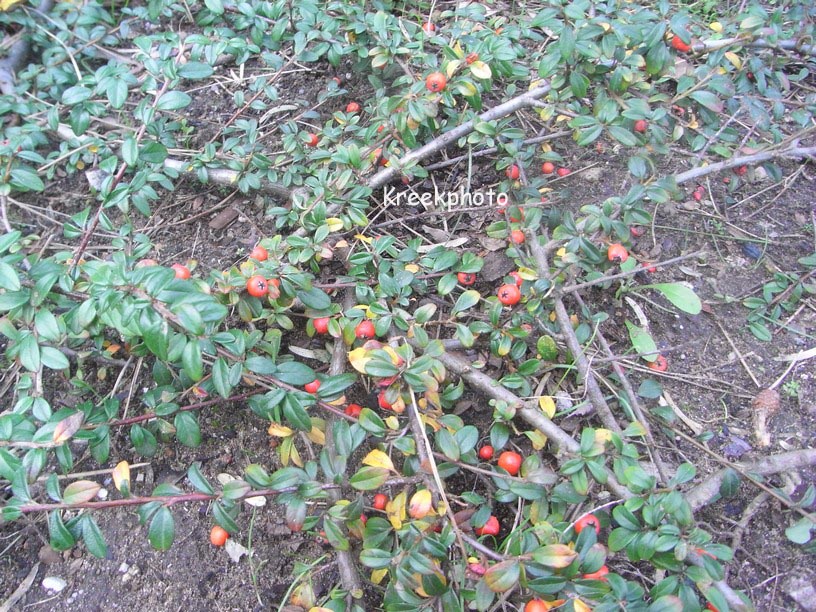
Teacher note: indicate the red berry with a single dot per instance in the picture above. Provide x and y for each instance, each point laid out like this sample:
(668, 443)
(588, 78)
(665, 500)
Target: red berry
(380, 501)
(517, 277)
(491, 527)
(588, 520)
(353, 410)
(365, 330)
(641, 125)
(486, 453)
(313, 386)
(637, 230)
(548, 167)
(312, 140)
(428, 27)
(661, 364)
(182, 272)
(321, 325)
(517, 236)
(563, 171)
(537, 605)
(435, 82)
(739, 171)
(471, 58)
(678, 44)
(352, 107)
(510, 461)
(466, 278)
(617, 253)
(259, 253)
(509, 295)
(513, 172)
(257, 286)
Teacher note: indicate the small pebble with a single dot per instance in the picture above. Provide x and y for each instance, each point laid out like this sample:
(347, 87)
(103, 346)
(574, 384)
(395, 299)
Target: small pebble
(54, 583)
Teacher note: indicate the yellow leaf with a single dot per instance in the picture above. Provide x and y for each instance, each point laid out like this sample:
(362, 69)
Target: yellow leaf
(561, 252)
(580, 606)
(538, 439)
(335, 224)
(376, 577)
(377, 458)
(392, 422)
(605, 26)
(480, 70)
(457, 48)
(431, 422)
(547, 404)
(358, 358)
(527, 274)
(716, 26)
(395, 359)
(452, 67)
(412, 268)
(395, 509)
(420, 504)
(121, 477)
(562, 118)
(734, 59)
(279, 431)
(317, 436)
(363, 238)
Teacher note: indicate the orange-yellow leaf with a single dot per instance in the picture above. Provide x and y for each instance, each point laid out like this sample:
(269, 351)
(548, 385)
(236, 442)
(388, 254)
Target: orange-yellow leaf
(80, 491)
(420, 504)
(377, 458)
(580, 606)
(67, 427)
(358, 358)
(279, 431)
(395, 509)
(121, 477)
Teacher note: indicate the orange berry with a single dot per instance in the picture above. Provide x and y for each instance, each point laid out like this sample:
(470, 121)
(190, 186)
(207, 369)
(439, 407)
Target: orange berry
(548, 167)
(435, 82)
(218, 535)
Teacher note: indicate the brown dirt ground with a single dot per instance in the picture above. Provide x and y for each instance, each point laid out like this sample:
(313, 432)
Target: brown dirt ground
(706, 379)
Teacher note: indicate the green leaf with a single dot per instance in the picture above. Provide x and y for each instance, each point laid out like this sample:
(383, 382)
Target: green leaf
(681, 296)
(287, 477)
(198, 480)
(29, 353)
(216, 6)
(93, 538)
(187, 429)
(730, 483)
(295, 414)
(173, 100)
(143, 440)
(53, 358)
(59, 537)
(369, 478)
(191, 360)
(295, 373)
(195, 70)
(622, 135)
(641, 339)
(162, 529)
(467, 300)
(650, 389)
(221, 377)
(707, 99)
(8, 277)
(75, 95)
(685, 472)
(315, 298)
(376, 558)
(799, 533)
